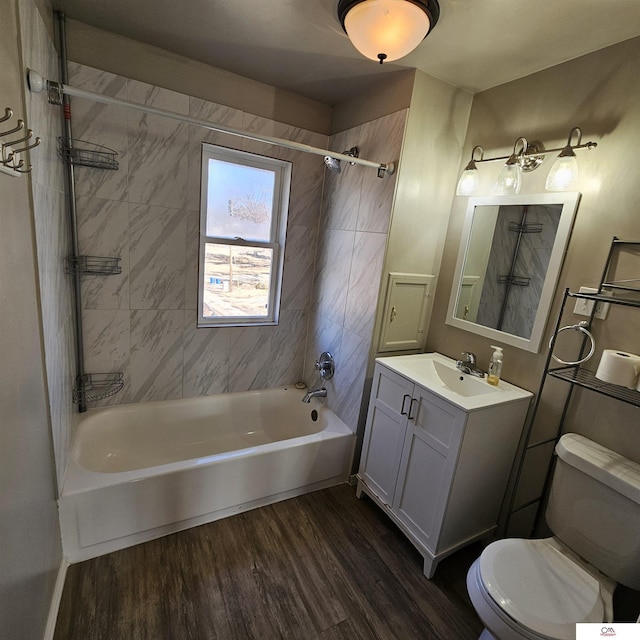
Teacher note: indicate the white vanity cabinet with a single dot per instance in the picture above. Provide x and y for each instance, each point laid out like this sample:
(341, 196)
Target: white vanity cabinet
(439, 470)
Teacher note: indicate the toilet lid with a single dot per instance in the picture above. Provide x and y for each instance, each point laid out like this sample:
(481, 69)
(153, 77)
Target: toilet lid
(540, 587)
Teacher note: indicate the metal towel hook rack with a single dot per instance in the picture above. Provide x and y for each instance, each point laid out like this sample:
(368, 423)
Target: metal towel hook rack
(10, 162)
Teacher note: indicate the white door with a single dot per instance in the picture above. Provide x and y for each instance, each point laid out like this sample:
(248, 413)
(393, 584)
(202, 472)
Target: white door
(428, 460)
(391, 396)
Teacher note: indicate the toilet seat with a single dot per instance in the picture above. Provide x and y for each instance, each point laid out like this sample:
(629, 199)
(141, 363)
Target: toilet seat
(542, 586)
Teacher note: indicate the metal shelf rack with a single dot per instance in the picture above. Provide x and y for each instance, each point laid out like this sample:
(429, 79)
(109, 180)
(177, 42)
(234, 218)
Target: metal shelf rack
(575, 374)
(91, 387)
(93, 265)
(87, 154)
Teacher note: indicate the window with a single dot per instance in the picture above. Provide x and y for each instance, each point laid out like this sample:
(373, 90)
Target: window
(243, 217)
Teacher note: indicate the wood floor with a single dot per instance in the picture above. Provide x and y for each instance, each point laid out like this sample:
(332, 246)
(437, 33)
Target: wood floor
(322, 566)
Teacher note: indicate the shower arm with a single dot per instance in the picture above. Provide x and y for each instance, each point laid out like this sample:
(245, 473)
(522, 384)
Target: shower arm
(56, 90)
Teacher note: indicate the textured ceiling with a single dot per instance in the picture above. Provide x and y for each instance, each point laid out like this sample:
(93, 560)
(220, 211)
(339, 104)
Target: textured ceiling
(299, 45)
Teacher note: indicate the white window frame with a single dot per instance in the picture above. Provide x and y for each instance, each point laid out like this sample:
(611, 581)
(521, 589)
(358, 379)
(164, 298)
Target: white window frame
(280, 208)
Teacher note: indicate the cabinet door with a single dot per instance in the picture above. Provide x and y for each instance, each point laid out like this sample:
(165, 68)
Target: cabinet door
(385, 431)
(431, 445)
(405, 312)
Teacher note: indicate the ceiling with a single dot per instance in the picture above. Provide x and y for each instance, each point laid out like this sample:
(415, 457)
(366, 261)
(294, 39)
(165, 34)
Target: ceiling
(299, 45)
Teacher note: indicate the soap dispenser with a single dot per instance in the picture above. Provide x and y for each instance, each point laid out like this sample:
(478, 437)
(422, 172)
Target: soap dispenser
(495, 366)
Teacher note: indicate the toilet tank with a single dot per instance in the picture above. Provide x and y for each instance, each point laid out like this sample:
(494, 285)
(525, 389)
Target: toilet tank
(594, 507)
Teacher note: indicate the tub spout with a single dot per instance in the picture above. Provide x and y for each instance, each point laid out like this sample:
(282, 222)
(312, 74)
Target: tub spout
(316, 393)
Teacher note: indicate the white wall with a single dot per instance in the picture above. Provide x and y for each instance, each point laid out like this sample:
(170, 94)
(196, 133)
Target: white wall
(30, 550)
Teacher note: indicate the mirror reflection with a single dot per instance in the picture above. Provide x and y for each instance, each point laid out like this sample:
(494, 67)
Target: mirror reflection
(509, 261)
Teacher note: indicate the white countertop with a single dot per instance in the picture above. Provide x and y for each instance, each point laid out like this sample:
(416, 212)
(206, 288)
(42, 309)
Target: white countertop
(439, 374)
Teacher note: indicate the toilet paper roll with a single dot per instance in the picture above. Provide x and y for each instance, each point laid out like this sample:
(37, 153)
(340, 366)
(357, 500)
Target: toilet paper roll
(619, 367)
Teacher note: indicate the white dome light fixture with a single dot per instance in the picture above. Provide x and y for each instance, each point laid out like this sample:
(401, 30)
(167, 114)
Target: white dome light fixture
(387, 29)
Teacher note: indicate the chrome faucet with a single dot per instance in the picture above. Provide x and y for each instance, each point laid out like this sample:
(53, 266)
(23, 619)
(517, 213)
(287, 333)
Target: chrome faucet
(316, 393)
(468, 365)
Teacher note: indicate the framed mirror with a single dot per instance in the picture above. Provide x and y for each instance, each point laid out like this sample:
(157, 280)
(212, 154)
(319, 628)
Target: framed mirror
(510, 256)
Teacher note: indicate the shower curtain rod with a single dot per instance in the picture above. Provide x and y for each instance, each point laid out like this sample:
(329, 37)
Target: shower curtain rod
(56, 90)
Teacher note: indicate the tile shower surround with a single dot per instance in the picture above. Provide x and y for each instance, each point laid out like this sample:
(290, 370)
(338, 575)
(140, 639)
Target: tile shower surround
(143, 321)
(356, 214)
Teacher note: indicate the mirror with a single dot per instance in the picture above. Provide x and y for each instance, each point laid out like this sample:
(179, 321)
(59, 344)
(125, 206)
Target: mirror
(510, 256)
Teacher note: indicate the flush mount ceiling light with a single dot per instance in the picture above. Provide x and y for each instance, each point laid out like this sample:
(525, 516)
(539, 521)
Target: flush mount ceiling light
(387, 29)
(526, 157)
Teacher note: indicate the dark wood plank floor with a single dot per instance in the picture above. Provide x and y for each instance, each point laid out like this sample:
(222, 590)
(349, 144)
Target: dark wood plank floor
(323, 566)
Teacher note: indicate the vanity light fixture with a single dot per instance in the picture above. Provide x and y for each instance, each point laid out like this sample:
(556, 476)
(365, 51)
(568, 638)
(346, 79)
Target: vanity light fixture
(564, 171)
(526, 157)
(510, 177)
(387, 29)
(470, 178)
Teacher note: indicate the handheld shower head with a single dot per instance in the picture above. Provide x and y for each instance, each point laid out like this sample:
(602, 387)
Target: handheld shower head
(333, 164)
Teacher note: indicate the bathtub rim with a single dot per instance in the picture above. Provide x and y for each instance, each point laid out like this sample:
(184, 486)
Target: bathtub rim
(79, 479)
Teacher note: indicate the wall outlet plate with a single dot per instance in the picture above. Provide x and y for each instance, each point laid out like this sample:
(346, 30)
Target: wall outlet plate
(584, 307)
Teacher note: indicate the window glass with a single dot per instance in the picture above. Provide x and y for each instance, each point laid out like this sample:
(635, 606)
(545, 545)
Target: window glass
(239, 201)
(237, 280)
(244, 200)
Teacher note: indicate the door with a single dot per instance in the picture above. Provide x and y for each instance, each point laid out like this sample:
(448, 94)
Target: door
(391, 396)
(405, 312)
(432, 441)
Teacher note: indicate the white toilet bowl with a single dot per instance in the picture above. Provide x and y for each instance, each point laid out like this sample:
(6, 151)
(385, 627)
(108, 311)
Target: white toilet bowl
(536, 590)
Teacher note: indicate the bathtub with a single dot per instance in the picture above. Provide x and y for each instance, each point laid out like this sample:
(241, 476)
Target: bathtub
(137, 472)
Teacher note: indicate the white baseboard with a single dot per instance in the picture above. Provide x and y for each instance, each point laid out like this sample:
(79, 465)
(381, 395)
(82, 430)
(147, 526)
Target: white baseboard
(55, 601)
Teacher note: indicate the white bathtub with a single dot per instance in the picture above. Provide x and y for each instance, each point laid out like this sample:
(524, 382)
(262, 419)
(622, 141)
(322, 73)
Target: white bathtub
(138, 472)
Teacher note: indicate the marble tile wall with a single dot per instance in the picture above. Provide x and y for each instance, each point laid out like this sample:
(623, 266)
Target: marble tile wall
(143, 321)
(356, 215)
(52, 236)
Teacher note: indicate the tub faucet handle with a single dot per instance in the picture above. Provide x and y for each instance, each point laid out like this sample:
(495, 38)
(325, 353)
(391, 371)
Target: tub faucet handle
(326, 365)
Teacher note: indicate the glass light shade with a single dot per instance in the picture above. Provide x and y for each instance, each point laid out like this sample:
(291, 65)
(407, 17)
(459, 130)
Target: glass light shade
(564, 172)
(509, 179)
(468, 183)
(392, 28)
(508, 182)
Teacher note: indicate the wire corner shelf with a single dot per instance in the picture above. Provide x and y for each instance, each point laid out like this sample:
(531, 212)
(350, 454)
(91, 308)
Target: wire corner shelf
(93, 265)
(92, 387)
(87, 154)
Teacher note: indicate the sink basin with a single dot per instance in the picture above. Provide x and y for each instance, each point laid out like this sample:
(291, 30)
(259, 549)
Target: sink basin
(462, 383)
(439, 374)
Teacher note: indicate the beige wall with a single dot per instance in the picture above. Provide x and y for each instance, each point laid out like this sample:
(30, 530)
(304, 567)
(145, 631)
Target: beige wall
(427, 175)
(131, 59)
(600, 93)
(391, 95)
(30, 551)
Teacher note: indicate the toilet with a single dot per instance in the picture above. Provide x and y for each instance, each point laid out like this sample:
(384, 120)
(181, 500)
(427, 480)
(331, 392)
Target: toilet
(539, 589)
